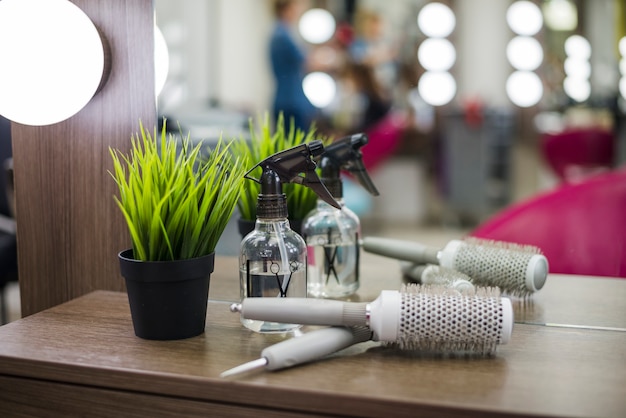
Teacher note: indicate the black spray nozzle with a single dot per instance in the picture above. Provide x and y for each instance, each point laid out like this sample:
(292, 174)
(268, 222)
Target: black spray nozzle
(345, 154)
(286, 167)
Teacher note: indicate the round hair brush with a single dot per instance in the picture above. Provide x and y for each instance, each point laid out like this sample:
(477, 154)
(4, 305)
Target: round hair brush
(431, 274)
(427, 318)
(518, 270)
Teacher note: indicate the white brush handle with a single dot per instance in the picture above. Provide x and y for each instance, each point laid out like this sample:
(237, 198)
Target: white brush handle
(313, 345)
(304, 311)
(401, 250)
(382, 315)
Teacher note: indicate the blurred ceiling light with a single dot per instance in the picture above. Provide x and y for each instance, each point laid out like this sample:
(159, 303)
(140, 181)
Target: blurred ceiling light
(560, 15)
(524, 53)
(161, 60)
(577, 88)
(622, 46)
(577, 68)
(319, 88)
(524, 88)
(622, 87)
(436, 54)
(436, 88)
(436, 20)
(578, 47)
(524, 18)
(317, 26)
(52, 60)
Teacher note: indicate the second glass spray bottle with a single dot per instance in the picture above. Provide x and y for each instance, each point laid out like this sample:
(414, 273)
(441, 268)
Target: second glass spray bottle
(332, 235)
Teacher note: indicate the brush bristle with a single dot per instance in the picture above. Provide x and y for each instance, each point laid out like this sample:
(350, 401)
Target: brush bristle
(496, 263)
(437, 319)
(443, 276)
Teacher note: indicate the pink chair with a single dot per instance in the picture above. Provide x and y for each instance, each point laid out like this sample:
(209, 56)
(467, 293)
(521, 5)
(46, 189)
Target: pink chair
(581, 228)
(575, 154)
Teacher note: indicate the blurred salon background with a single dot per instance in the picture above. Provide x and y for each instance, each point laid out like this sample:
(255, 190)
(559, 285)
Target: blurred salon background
(458, 97)
(501, 119)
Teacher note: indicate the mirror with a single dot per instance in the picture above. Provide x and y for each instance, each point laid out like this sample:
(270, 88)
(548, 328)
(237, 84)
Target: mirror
(220, 76)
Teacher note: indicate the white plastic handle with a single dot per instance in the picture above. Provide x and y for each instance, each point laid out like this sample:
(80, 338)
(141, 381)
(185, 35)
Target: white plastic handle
(313, 346)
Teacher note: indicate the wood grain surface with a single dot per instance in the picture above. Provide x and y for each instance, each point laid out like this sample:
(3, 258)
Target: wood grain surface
(88, 346)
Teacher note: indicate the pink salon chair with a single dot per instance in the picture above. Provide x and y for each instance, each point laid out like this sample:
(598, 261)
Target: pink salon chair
(580, 227)
(575, 154)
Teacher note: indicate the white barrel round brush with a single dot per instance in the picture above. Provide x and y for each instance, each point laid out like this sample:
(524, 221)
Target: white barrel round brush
(518, 270)
(417, 317)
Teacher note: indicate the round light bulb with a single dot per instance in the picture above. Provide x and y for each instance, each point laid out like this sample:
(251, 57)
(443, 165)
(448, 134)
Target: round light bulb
(576, 88)
(436, 20)
(317, 26)
(578, 47)
(577, 68)
(524, 18)
(437, 88)
(52, 60)
(560, 15)
(622, 46)
(524, 53)
(524, 88)
(319, 88)
(436, 54)
(161, 60)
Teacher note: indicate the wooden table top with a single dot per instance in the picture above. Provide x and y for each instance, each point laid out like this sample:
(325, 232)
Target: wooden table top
(544, 370)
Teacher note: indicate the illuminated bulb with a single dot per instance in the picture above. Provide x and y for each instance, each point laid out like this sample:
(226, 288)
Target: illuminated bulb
(560, 15)
(436, 54)
(524, 88)
(622, 47)
(436, 88)
(524, 18)
(436, 20)
(576, 88)
(319, 88)
(577, 68)
(317, 26)
(52, 60)
(622, 87)
(524, 53)
(161, 60)
(578, 47)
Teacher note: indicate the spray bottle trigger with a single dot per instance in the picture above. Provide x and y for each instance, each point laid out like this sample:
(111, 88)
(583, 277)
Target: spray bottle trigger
(312, 180)
(357, 168)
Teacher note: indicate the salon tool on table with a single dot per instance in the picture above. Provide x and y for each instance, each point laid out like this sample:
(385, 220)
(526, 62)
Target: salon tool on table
(273, 258)
(416, 317)
(311, 346)
(431, 274)
(518, 270)
(332, 235)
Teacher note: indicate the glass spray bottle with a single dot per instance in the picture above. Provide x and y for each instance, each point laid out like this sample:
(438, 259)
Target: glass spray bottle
(332, 235)
(273, 258)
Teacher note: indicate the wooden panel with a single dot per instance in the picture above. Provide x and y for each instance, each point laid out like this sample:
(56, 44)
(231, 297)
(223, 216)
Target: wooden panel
(31, 398)
(69, 230)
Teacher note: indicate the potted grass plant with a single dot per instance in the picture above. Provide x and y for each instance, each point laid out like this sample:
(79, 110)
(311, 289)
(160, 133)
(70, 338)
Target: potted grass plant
(263, 142)
(176, 204)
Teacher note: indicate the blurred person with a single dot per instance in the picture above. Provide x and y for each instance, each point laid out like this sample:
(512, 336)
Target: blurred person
(370, 47)
(289, 62)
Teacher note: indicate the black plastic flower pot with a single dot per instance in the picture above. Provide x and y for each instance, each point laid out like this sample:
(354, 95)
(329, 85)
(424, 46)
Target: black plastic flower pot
(168, 299)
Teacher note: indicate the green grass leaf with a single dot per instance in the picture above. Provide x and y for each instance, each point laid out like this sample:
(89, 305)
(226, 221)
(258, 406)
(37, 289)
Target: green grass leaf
(175, 205)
